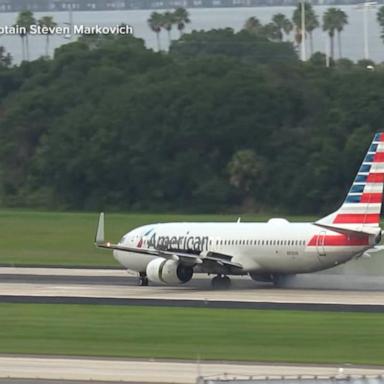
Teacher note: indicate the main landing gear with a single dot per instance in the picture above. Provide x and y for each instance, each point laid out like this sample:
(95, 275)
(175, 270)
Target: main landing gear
(143, 279)
(221, 282)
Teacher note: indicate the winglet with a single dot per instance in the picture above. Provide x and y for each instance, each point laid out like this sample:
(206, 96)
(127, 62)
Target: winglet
(100, 230)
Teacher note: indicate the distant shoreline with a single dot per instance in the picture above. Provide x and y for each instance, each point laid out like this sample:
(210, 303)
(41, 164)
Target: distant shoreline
(155, 5)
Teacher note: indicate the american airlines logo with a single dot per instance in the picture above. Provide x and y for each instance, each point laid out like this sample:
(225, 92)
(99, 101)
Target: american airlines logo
(196, 243)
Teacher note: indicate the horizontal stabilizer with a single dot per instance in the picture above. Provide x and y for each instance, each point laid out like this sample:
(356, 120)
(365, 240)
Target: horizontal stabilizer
(346, 229)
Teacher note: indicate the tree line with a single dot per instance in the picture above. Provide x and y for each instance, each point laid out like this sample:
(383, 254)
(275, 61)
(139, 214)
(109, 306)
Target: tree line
(279, 28)
(333, 23)
(226, 121)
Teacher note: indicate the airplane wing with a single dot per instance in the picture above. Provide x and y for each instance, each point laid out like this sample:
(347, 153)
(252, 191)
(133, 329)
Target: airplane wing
(185, 258)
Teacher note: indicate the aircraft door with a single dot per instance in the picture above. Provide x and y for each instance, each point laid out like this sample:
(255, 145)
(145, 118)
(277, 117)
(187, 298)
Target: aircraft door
(320, 244)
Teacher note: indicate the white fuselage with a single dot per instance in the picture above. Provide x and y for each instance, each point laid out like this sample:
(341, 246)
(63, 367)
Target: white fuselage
(275, 247)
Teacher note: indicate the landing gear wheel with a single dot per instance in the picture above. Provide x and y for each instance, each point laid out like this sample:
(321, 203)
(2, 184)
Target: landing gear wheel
(143, 280)
(221, 282)
(276, 280)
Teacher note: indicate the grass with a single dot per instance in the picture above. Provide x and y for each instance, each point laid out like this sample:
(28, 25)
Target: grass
(186, 333)
(52, 238)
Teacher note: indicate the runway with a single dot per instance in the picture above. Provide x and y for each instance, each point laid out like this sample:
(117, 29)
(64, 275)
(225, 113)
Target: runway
(161, 371)
(119, 288)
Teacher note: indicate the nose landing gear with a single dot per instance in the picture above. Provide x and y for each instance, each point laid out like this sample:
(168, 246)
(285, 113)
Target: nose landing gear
(221, 282)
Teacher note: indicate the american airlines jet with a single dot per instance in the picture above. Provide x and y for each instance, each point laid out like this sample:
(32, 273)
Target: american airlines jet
(170, 253)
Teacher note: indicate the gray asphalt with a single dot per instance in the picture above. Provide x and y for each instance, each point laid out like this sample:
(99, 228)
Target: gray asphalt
(141, 296)
(84, 280)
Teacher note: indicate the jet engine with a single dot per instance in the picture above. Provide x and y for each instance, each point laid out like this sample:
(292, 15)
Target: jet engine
(165, 271)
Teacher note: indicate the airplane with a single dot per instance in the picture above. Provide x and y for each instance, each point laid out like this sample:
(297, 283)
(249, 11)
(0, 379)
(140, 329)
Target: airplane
(171, 253)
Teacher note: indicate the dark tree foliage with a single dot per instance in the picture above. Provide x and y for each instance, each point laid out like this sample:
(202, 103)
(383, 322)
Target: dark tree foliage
(109, 124)
(244, 46)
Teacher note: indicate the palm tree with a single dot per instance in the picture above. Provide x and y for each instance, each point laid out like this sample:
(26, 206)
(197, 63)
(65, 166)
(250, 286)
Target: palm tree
(380, 19)
(283, 24)
(311, 23)
(181, 17)
(155, 22)
(330, 25)
(168, 22)
(24, 20)
(48, 22)
(253, 25)
(342, 21)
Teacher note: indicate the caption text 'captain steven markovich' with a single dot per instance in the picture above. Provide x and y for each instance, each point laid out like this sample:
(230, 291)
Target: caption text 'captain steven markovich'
(36, 29)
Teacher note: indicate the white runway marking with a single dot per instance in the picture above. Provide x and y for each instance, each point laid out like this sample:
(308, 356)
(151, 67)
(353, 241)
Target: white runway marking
(157, 371)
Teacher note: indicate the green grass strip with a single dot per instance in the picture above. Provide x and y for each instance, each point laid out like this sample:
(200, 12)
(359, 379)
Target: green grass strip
(190, 333)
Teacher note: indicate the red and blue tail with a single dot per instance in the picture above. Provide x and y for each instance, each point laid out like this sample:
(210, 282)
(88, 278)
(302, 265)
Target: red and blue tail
(361, 209)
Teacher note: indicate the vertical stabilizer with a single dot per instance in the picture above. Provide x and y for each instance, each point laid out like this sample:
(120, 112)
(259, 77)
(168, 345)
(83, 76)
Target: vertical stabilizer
(362, 206)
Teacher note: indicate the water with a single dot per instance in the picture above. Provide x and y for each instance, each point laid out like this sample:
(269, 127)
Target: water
(206, 18)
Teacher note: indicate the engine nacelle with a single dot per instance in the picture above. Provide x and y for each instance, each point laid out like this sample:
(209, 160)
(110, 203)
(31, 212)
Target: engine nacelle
(165, 271)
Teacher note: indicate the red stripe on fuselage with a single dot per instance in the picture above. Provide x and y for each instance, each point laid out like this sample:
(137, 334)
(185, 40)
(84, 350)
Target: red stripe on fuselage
(378, 157)
(357, 218)
(338, 240)
(371, 198)
(381, 137)
(375, 178)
